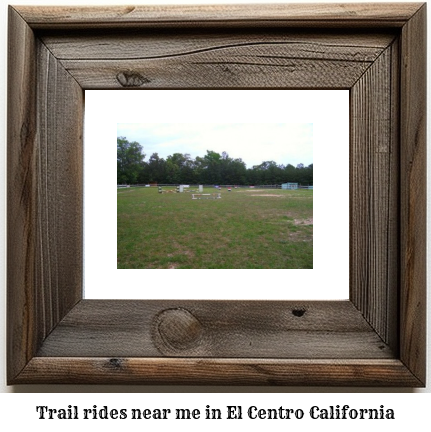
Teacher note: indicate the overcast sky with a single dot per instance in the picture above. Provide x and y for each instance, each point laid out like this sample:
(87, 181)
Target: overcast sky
(254, 143)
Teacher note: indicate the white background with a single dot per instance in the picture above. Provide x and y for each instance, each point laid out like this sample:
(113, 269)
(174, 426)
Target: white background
(329, 113)
(18, 410)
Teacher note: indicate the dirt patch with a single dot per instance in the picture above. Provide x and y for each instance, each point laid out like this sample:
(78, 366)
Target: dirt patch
(268, 195)
(308, 221)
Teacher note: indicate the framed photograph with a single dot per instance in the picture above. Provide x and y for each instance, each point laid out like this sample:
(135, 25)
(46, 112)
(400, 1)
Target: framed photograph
(376, 337)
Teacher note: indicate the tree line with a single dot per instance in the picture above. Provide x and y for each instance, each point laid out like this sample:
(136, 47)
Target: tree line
(212, 168)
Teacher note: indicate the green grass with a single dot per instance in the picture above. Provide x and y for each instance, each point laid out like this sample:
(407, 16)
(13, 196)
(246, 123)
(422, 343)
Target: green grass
(245, 229)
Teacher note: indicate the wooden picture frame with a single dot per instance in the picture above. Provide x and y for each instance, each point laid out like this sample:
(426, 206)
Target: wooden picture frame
(376, 338)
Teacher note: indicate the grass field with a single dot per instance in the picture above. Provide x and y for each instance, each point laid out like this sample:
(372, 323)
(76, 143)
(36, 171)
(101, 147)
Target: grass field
(245, 229)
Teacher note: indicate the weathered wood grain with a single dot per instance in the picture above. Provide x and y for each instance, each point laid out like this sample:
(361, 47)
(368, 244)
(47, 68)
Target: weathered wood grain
(59, 181)
(235, 329)
(45, 106)
(219, 60)
(300, 15)
(374, 195)
(391, 296)
(21, 194)
(253, 66)
(413, 194)
(197, 371)
(139, 44)
(227, 70)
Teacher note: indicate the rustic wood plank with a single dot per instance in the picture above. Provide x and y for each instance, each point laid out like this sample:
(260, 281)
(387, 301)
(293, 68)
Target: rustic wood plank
(198, 371)
(225, 70)
(413, 194)
(300, 14)
(374, 195)
(44, 193)
(21, 194)
(392, 306)
(59, 245)
(140, 44)
(241, 329)
(226, 60)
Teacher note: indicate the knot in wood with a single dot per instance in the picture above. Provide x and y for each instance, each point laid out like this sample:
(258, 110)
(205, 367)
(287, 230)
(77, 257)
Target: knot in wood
(298, 312)
(131, 79)
(178, 329)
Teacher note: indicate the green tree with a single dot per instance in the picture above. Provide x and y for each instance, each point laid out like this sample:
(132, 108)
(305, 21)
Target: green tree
(156, 167)
(290, 174)
(212, 162)
(179, 168)
(254, 175)
(130, 159)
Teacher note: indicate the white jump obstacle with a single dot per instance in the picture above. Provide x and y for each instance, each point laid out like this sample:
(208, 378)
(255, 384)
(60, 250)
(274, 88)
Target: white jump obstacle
(206, 196)
(179, 189)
